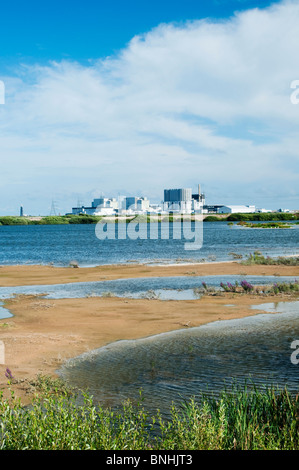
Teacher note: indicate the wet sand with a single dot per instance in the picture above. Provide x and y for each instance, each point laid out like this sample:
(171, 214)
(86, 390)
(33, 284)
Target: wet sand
(43, 333)
(45, 275)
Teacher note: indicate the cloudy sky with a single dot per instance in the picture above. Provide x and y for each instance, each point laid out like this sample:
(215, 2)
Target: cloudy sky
(129, 98)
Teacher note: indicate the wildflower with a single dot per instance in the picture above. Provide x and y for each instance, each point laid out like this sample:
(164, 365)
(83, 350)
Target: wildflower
(8, 374)
(224, 287)
(246, 286)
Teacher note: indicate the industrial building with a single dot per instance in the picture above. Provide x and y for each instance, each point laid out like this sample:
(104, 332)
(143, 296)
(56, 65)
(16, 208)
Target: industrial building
(236, 209)
(112, 206)
(177, 195)
(179, 200)
(100, 206)
(135, 204)
(182, 200)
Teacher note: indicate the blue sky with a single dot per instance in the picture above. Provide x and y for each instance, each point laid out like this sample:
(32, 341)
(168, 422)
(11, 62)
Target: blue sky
(73, 29)
(132, 97)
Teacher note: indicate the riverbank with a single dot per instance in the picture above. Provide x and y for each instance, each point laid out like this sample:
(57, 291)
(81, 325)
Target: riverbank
(43, 333)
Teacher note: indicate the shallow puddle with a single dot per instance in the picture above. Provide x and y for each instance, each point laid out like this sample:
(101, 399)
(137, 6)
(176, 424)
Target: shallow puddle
(4, 313)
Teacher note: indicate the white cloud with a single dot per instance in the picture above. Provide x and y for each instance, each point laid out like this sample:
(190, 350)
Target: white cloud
(201, 102)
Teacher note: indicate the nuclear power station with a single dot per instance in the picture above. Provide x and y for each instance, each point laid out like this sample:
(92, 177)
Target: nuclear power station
(178, 200)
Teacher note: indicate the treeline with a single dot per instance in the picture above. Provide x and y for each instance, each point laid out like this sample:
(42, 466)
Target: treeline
(264, 216)
(92, 219)
(50, 220)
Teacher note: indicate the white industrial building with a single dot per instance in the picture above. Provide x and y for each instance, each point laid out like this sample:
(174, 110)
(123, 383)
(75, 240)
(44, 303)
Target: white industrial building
(112, 206)
(175, 200)
(182, 201)
(236, 209)
(100, 206)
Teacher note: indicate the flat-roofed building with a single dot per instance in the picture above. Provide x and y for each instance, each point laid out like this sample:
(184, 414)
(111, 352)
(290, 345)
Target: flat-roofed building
(239, 209)
(182, 200)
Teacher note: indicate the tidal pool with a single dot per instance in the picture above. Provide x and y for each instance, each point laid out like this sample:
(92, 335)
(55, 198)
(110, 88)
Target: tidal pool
(166, 288)
(4, 312)
(176, 366)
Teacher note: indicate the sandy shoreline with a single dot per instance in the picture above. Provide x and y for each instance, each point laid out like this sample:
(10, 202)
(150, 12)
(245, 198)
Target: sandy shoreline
(45, 275)
(43, 333)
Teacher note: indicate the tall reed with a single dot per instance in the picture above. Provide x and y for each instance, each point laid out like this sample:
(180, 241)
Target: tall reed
(240, 418)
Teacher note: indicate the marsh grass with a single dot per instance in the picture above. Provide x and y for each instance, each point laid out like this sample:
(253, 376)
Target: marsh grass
(289, 288)
(258, 258)
(238, 419)
(266, 225)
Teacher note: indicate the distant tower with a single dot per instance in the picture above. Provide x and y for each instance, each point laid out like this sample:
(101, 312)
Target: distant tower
(21, 211)
(53, 208)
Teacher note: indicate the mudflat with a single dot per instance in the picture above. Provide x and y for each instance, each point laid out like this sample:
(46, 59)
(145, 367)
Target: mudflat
(45, 275)
(43, 333)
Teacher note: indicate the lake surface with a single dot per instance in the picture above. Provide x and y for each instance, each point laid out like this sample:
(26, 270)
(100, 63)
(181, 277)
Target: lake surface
(176, 366)
(62, 244)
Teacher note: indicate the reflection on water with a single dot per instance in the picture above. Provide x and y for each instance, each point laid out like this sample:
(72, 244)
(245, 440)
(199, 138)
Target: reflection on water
(178, 365)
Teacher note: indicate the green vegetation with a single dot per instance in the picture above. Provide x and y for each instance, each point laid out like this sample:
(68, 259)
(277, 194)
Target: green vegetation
(263, 216)
(13, 221)
(276, 288)
(214, 218)
(264, 225)
(268, 216)
(51, 220)
(245, 287)
(258, 258)
(91, 219)
(239, 419)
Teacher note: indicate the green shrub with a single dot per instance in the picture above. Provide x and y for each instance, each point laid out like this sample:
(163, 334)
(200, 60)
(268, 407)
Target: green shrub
(7, 220)
(258, 258)
(240, 418)
(52, 220)
(214, 218)
(84, 219)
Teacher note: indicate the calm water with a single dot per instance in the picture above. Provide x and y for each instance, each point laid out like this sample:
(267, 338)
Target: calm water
(62, 244)
(179, 365)
(4, 313)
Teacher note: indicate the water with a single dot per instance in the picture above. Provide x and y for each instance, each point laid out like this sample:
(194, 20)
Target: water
(172, 366)
(4, 313)
(176, 366)
(61, 244)
(164, 288)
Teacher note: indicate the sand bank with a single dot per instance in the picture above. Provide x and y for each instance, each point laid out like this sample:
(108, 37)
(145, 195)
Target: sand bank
(45, 275)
